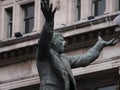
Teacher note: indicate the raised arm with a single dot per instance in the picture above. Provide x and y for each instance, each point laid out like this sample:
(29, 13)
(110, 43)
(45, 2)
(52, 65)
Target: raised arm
(45, 38)
(92, 54)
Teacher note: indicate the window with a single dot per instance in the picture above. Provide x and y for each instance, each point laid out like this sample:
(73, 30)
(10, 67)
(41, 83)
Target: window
(119, 4)
(113, 87)
(99, 7)
(28, 17)
(79, 8)
(9, 12)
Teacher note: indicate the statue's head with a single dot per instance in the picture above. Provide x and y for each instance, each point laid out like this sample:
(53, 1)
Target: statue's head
(58, 42)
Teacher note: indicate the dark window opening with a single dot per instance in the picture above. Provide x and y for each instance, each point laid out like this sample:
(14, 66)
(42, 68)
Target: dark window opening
(9, 12)
(99, 7)
(79, 8)
(29, 17)
(119, 4)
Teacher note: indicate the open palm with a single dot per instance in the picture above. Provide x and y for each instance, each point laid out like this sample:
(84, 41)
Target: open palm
(47, 10)
(111, 42)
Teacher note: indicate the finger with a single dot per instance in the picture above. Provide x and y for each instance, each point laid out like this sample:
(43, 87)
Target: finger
(116, 41)
(112, 40)
(42, 6)
(45, 4)
(48, 2)
(54, 10)
(99, 38)
(51, 6)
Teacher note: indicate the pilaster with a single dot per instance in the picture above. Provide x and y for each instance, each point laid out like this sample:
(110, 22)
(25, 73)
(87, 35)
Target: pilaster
(111, 6)
(17, 20)
(38, 17)
(86, 8)
(3, 24)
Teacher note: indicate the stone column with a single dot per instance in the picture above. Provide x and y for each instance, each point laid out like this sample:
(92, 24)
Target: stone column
(69, 13)
(61, 16)
(0, 20)
(111, 6)
(86, 9)
(17, 18)
(90, 8)
(3, 28)
(38, 17)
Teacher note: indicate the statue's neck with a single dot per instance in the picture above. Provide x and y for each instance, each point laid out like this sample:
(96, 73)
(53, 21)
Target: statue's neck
(56, 52)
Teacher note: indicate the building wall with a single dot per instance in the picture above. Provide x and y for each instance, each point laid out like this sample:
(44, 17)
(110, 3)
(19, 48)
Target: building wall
(17, 55)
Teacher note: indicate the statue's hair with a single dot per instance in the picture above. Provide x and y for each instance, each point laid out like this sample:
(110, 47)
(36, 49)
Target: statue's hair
(56, 35)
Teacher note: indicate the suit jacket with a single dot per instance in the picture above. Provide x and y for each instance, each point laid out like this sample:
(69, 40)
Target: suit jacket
(54, 69)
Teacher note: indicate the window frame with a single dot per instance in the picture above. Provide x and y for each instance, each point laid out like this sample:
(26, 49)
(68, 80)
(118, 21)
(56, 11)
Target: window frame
(78, 9)
(9, 12)
(94, 8)
(28, 18)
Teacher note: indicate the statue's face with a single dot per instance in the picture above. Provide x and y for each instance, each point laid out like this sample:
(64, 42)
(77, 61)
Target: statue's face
(59, 44)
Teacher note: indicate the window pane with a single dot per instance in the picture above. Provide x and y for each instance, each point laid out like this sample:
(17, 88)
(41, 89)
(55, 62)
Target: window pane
(107, 88)
(99, 7)
(29, 11)
(9, 21)
(79, 8)
(119, 4)
(29, 17)
(10, 30)
(29, 25)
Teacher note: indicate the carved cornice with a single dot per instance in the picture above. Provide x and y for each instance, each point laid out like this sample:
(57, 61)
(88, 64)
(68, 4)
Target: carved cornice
(88, 23)
(19, 78)
(22, 81)
(74, 42)
(90, 38)
(82, 40)
(19, 55)
(63, 29)
(19, 40)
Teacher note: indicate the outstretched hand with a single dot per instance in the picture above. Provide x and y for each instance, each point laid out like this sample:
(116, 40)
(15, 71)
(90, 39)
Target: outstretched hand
(47, 10)
(111, 42)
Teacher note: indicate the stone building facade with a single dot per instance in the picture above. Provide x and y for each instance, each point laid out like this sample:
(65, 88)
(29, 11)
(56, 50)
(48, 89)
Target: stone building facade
(80, 22)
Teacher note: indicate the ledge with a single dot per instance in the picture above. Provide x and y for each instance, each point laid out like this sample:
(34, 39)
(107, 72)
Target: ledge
(97, 67)
(34, 78)
(96, 20)
(106, 18)
(14, 40)
(20, 82)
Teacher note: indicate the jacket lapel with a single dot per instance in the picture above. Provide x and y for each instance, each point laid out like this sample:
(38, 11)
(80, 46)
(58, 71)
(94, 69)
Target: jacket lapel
(68, 68)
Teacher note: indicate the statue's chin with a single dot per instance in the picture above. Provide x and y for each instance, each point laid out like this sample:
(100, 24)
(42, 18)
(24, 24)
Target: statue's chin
(59, 51)
(62, 51)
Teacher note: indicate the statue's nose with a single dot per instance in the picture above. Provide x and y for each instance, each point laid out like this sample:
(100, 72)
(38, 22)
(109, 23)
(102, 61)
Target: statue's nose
(65, 42)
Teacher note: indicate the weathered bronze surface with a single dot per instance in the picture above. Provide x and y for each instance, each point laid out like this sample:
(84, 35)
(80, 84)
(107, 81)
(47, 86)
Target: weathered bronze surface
(54, 68)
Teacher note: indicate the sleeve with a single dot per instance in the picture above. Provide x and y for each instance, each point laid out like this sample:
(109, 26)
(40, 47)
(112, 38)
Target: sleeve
(86, 58)
(44, 42)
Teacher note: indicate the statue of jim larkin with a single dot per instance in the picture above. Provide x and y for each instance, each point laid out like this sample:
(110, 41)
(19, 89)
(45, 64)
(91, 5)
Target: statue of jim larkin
(54, 67)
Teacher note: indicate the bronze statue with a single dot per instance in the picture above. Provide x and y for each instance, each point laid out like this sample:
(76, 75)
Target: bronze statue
(54, 67)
